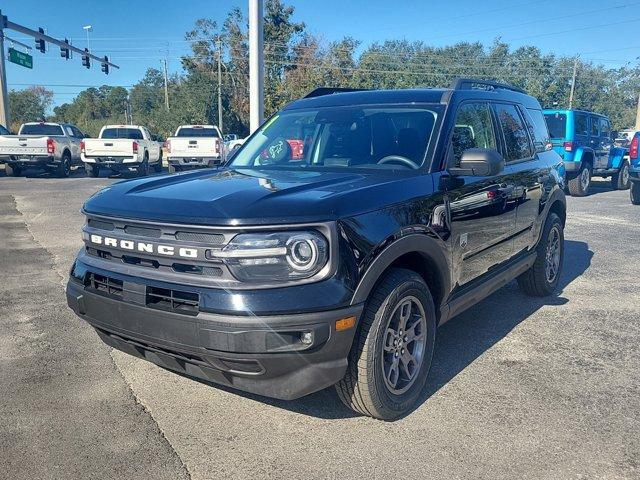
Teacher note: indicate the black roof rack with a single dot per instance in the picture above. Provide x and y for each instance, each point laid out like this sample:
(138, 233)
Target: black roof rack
(321, 91)
(478, 84)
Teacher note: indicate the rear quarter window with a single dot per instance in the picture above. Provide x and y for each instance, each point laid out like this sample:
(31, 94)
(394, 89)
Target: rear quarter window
(581, 124)
(557, 124)
(537, 129)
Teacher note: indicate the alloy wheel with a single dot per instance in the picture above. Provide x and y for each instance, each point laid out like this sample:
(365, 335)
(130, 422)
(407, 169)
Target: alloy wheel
(405, 339)
(553, 255)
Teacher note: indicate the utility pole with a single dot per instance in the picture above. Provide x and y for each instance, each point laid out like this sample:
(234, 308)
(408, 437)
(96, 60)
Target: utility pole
(573, 82)
(219, 84)
(4, 94)
(166, 86)
(256, 64)
(41, 40)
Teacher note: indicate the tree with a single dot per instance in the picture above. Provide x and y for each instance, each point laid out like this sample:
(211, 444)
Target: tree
(29, 105)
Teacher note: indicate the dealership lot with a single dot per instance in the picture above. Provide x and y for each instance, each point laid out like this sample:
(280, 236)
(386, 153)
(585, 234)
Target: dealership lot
(520, 387)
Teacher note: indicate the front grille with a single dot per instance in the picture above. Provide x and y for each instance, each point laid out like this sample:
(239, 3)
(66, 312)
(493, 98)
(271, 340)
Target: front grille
(173, 300)
(104, 285)
(100, 225)
(142, 231)
(210, 238)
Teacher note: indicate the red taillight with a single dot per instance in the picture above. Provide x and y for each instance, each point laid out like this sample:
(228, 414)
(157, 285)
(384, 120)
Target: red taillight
(135, 147)
(167, 146)
(633, 148)
(82, 147)
(568, 146)
(51, 146)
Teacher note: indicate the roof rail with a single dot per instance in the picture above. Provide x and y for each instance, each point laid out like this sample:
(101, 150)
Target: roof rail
(321, 91)
(478, 84)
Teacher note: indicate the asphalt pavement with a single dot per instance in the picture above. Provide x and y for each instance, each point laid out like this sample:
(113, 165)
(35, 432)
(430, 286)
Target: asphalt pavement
(520, 387)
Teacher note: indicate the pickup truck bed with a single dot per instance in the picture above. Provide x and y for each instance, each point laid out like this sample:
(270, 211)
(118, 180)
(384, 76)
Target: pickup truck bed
(194, 146)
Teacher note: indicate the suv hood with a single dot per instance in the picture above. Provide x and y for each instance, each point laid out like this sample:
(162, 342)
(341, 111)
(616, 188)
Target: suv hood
(254, 197)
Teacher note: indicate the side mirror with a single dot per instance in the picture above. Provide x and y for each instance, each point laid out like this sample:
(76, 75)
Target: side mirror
(479, 162)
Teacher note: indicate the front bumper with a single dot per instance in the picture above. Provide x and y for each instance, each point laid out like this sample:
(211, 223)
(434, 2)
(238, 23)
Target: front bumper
(126, 161)
(258, 354)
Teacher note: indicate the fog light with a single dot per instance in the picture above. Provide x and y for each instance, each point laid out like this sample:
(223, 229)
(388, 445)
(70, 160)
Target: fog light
(306, 338)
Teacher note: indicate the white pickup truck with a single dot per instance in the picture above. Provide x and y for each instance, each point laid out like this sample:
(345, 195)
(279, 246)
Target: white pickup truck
(52, 146)
(122, 148)
(194, 146)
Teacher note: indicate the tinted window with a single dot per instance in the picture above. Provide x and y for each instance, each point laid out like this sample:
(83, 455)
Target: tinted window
(537, 129)
(473, 129)
(4, 131)
(557, 124)
(605, 128)
(41, 129)
(354, 136)
(595, 128)
(197, 132)
(581, 124)
(76, 132)
(130, 133)
(514, 133)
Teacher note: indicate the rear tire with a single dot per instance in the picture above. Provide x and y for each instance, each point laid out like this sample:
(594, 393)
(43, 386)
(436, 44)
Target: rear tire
(634, 193)
(620, 180)
(388, 369)
(92, 170)
(12, 170)
(157, 167)
(543, 276)
(579, 186)
(64, 169)
(143, 168)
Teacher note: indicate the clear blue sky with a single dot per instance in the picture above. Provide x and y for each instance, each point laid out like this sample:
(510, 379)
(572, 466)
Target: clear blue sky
(137, 34)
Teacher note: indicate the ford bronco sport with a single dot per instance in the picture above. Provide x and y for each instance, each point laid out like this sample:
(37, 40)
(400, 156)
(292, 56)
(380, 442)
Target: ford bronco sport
(286, 271)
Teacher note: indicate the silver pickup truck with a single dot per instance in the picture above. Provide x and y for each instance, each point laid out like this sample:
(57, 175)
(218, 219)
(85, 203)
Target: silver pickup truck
(52, 146)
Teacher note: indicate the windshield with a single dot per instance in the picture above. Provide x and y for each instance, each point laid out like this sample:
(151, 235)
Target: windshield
(343, 137)
(41, 129)
(197, 132)
(129, 133)
(556, 123)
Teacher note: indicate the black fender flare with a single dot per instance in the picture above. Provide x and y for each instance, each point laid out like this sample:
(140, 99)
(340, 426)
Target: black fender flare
(425, 245)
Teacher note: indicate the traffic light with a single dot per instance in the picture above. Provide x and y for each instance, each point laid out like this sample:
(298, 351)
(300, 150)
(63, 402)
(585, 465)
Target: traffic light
(105, 65)
(86, 61)
(64, 51)
(40, 44)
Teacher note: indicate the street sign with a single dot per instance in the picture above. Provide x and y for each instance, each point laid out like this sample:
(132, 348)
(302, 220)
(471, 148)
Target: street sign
(21, 58)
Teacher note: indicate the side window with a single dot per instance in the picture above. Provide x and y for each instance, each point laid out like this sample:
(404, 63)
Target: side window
(473, 129)
(516, 140)
(595, 128)
(581, 124)
(76, 133)
(537, 129)
(605, 128)
(68, 131)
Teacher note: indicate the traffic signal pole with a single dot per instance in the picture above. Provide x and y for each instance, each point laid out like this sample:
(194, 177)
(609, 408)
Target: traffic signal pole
(6, 24)
(4, 94)
(256, 65)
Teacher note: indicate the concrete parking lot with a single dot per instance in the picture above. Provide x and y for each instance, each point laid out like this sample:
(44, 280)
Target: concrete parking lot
(520, 387)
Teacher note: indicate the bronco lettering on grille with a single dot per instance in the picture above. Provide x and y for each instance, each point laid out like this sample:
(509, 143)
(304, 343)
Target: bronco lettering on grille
(144, 247)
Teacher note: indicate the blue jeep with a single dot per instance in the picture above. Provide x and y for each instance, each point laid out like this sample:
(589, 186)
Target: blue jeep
(584, 141)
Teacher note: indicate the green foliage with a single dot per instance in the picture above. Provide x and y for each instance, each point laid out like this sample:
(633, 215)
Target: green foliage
(297, 62)
(28, 105)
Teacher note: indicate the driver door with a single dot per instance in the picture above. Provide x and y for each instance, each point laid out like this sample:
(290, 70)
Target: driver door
(482, 209)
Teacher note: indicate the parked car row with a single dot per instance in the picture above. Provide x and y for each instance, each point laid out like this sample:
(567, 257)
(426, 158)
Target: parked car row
(58, 147)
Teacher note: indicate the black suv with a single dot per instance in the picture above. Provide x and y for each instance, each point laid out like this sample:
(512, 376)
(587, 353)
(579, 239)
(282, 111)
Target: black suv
(344, 231)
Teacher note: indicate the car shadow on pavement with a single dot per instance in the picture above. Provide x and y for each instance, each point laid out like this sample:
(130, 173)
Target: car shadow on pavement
(458, 343)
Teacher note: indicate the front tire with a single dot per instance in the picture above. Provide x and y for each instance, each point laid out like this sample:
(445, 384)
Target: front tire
(620, 179)
(12, 170)
(579, 186)
(543, 276)
(391, 354)
(634, 193)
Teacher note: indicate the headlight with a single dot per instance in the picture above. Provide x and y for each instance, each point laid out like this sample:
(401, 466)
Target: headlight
(280, 256)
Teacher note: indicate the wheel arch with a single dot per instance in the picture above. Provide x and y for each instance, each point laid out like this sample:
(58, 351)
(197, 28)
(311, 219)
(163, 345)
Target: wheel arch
(586, 155)
(417, 252)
